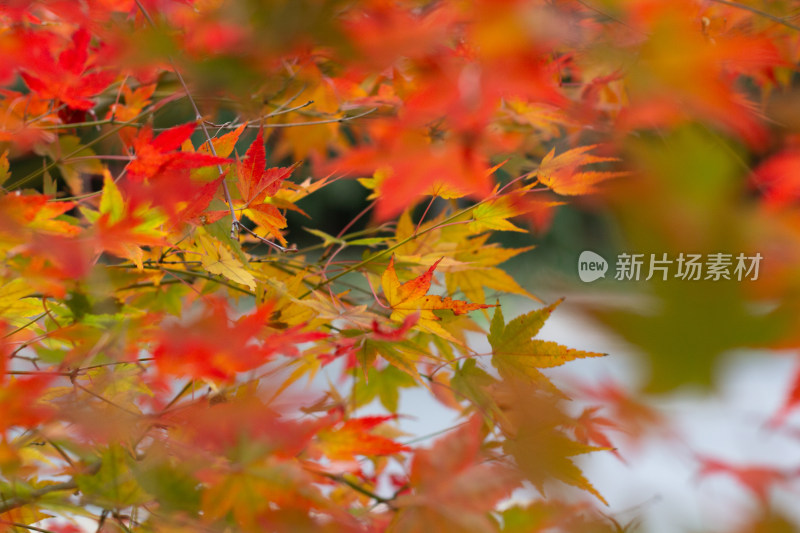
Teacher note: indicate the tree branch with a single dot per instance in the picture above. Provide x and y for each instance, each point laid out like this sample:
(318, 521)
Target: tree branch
(19, 501)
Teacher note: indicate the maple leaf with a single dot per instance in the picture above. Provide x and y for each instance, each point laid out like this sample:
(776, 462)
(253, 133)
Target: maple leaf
(410, 166)
(633, 417)
(453, 486)
(777, 177)
(256, 183)
(122, 228)
(517, 353)
(479, 270)
(15, 123)
(790, 403)
(15, 304)
(216, 347)
(412, 297)
(223, 145)
(384, 384)
(757, 479)
(135, 101)
(704, 86)
(396, 334)
(69, 79)
(474, 260)
(268, 216)
(589, 429)
(23, 216)
(217, 259)
(354, 436)
(19, 402)
(221, 425)
(534, 427)
(562, 174)
(156, 156)
(494, 215)
(403, 354)
(194, 212)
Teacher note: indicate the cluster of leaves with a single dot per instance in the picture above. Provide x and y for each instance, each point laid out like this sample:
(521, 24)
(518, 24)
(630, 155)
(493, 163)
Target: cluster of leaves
(156, 321)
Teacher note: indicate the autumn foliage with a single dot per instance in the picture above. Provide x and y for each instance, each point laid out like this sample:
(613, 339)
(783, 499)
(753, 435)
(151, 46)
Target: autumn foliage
(176, 355)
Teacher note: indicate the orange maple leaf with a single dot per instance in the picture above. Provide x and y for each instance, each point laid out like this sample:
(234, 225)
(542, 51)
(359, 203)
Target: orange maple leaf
(562, 174)
(414, 165)
(412, 297)
(354, 437)
(453, 484)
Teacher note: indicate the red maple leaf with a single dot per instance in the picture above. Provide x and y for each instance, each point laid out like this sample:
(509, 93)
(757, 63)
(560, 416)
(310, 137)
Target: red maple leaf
(156, 156)
(223, 424)
(757, 479)
(194, 212)
(591, 429)
(631, 416)
(72, 78)
(255, 182)
(790, 403)
(214, 346)
(19, 402)
(779, 178)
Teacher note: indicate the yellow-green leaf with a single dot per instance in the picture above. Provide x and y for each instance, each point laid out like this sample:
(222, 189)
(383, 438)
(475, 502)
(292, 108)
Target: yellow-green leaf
(111, 201)
(494, 215)
(217, 259)
(517, 353)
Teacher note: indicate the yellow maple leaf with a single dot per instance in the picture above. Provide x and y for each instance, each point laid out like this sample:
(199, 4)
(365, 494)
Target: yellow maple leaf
(494, 215)
(217, 259)
(516, 353)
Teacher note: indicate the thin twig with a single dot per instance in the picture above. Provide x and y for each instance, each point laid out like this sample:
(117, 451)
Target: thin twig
(758, 12)
(296, 124)
(260, 119)
(104, 399)
(26, 526)
(359, 488)
(268, 242)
